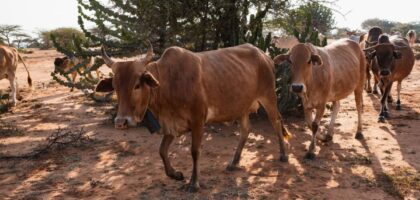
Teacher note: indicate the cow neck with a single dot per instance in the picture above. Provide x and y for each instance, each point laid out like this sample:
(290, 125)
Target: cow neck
(154, 92)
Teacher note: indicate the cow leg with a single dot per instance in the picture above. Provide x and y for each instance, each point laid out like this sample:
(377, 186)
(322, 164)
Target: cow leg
(277, 123)
(73, 79)
(244, 136)
(358, 95)
(384, 103)
(375, 85)
(197, 135)
(163, 150)
(368, 77)
(315, 126)
(399, 92)
(328, 137)
(309, 117)
(13, 86)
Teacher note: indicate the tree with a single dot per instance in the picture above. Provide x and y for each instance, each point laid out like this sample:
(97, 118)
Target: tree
(20, 37)
(6, 32)
(64, 37)
(385, 25)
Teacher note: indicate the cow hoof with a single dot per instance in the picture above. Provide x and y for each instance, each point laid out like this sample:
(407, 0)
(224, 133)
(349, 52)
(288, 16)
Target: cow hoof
(177, 176)
(193, 188)
(284, 158)
(398, 107)
(327, 138)
(231, 167)
(381, 119)
(386, 114)
(359, 136)
(310, 156)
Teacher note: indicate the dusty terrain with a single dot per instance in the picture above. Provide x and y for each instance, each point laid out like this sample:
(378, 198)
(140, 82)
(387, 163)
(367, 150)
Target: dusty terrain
(126, 164)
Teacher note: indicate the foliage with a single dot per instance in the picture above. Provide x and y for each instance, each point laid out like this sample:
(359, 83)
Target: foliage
(6, 32)
(21, 38)
(391, 26)
(64, 37)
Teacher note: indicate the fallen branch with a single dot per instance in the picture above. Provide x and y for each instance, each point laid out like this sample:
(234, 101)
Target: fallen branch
(59, 139)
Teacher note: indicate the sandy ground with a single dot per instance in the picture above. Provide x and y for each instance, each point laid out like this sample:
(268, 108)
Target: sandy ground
(126, 164)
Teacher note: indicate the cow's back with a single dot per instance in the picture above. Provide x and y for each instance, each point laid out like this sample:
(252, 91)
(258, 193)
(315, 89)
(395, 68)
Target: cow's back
(226, 83)
(403, 66)
(8, 59)
(346, 62)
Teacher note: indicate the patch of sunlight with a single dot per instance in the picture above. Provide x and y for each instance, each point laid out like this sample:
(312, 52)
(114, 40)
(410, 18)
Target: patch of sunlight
(332, 184)
(21, 139)
(106, 158)
(73, 173)
(34, 178)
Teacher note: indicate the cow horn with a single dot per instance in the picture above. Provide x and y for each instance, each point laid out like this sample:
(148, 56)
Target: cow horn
(108, 61)
(371, 43)
(370, 48)
(149, 55)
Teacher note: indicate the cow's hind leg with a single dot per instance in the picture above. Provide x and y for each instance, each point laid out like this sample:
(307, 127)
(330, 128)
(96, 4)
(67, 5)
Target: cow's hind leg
(163, 150)
(13, 86)
(358, 95)
(399, 92)
(315, 126)
(328, 137)
(244, 136)
(270, 107)
(197, 135)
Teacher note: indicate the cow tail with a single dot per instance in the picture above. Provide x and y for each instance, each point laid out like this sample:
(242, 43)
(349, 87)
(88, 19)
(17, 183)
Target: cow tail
(27, 71)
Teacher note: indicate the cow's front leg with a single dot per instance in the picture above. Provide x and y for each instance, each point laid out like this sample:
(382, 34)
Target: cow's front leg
(368, 86)
(328, 137)
(384, 103)
(163, 150)
(315, 126)
(398, 96)
(197, 135)
(244, 136)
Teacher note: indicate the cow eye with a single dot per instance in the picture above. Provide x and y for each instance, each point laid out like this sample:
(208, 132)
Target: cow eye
(137, 86)
(289, 61)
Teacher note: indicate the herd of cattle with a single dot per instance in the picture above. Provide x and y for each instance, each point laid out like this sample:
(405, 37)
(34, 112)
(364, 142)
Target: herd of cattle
(186, 90)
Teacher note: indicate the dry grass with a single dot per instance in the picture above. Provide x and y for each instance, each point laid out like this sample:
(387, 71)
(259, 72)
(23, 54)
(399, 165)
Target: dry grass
(401, 182)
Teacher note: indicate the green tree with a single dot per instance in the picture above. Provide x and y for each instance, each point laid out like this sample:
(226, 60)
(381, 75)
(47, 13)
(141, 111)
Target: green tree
(64, 37)
(6, 32)
(385, 25)
(19, 38)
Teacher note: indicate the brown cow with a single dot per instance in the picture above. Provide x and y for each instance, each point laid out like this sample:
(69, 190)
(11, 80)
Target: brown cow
(186, 90)
(66, 64)
(368, 40)
(9, 59)
(411, 37)
(326, 74)
(394, 60)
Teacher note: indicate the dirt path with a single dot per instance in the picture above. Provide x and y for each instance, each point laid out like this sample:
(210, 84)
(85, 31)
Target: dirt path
(127, 165)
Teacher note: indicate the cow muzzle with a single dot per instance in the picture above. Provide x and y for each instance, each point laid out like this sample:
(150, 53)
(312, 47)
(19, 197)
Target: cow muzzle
(384, 73)
(297, 88)
(123, 122)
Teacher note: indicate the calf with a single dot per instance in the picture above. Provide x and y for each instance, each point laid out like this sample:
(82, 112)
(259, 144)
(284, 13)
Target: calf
(394, 59)
(326, 74)
(9, 58)
(186, 90)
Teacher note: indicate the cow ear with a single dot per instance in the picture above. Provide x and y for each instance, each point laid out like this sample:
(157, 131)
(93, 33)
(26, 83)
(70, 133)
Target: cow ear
(316, 59)
(281, 58)
(397, 54)
(105, 85)
(148, 79)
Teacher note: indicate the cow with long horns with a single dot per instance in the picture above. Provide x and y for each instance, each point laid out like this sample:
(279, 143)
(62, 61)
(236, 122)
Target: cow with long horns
(186, 90)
